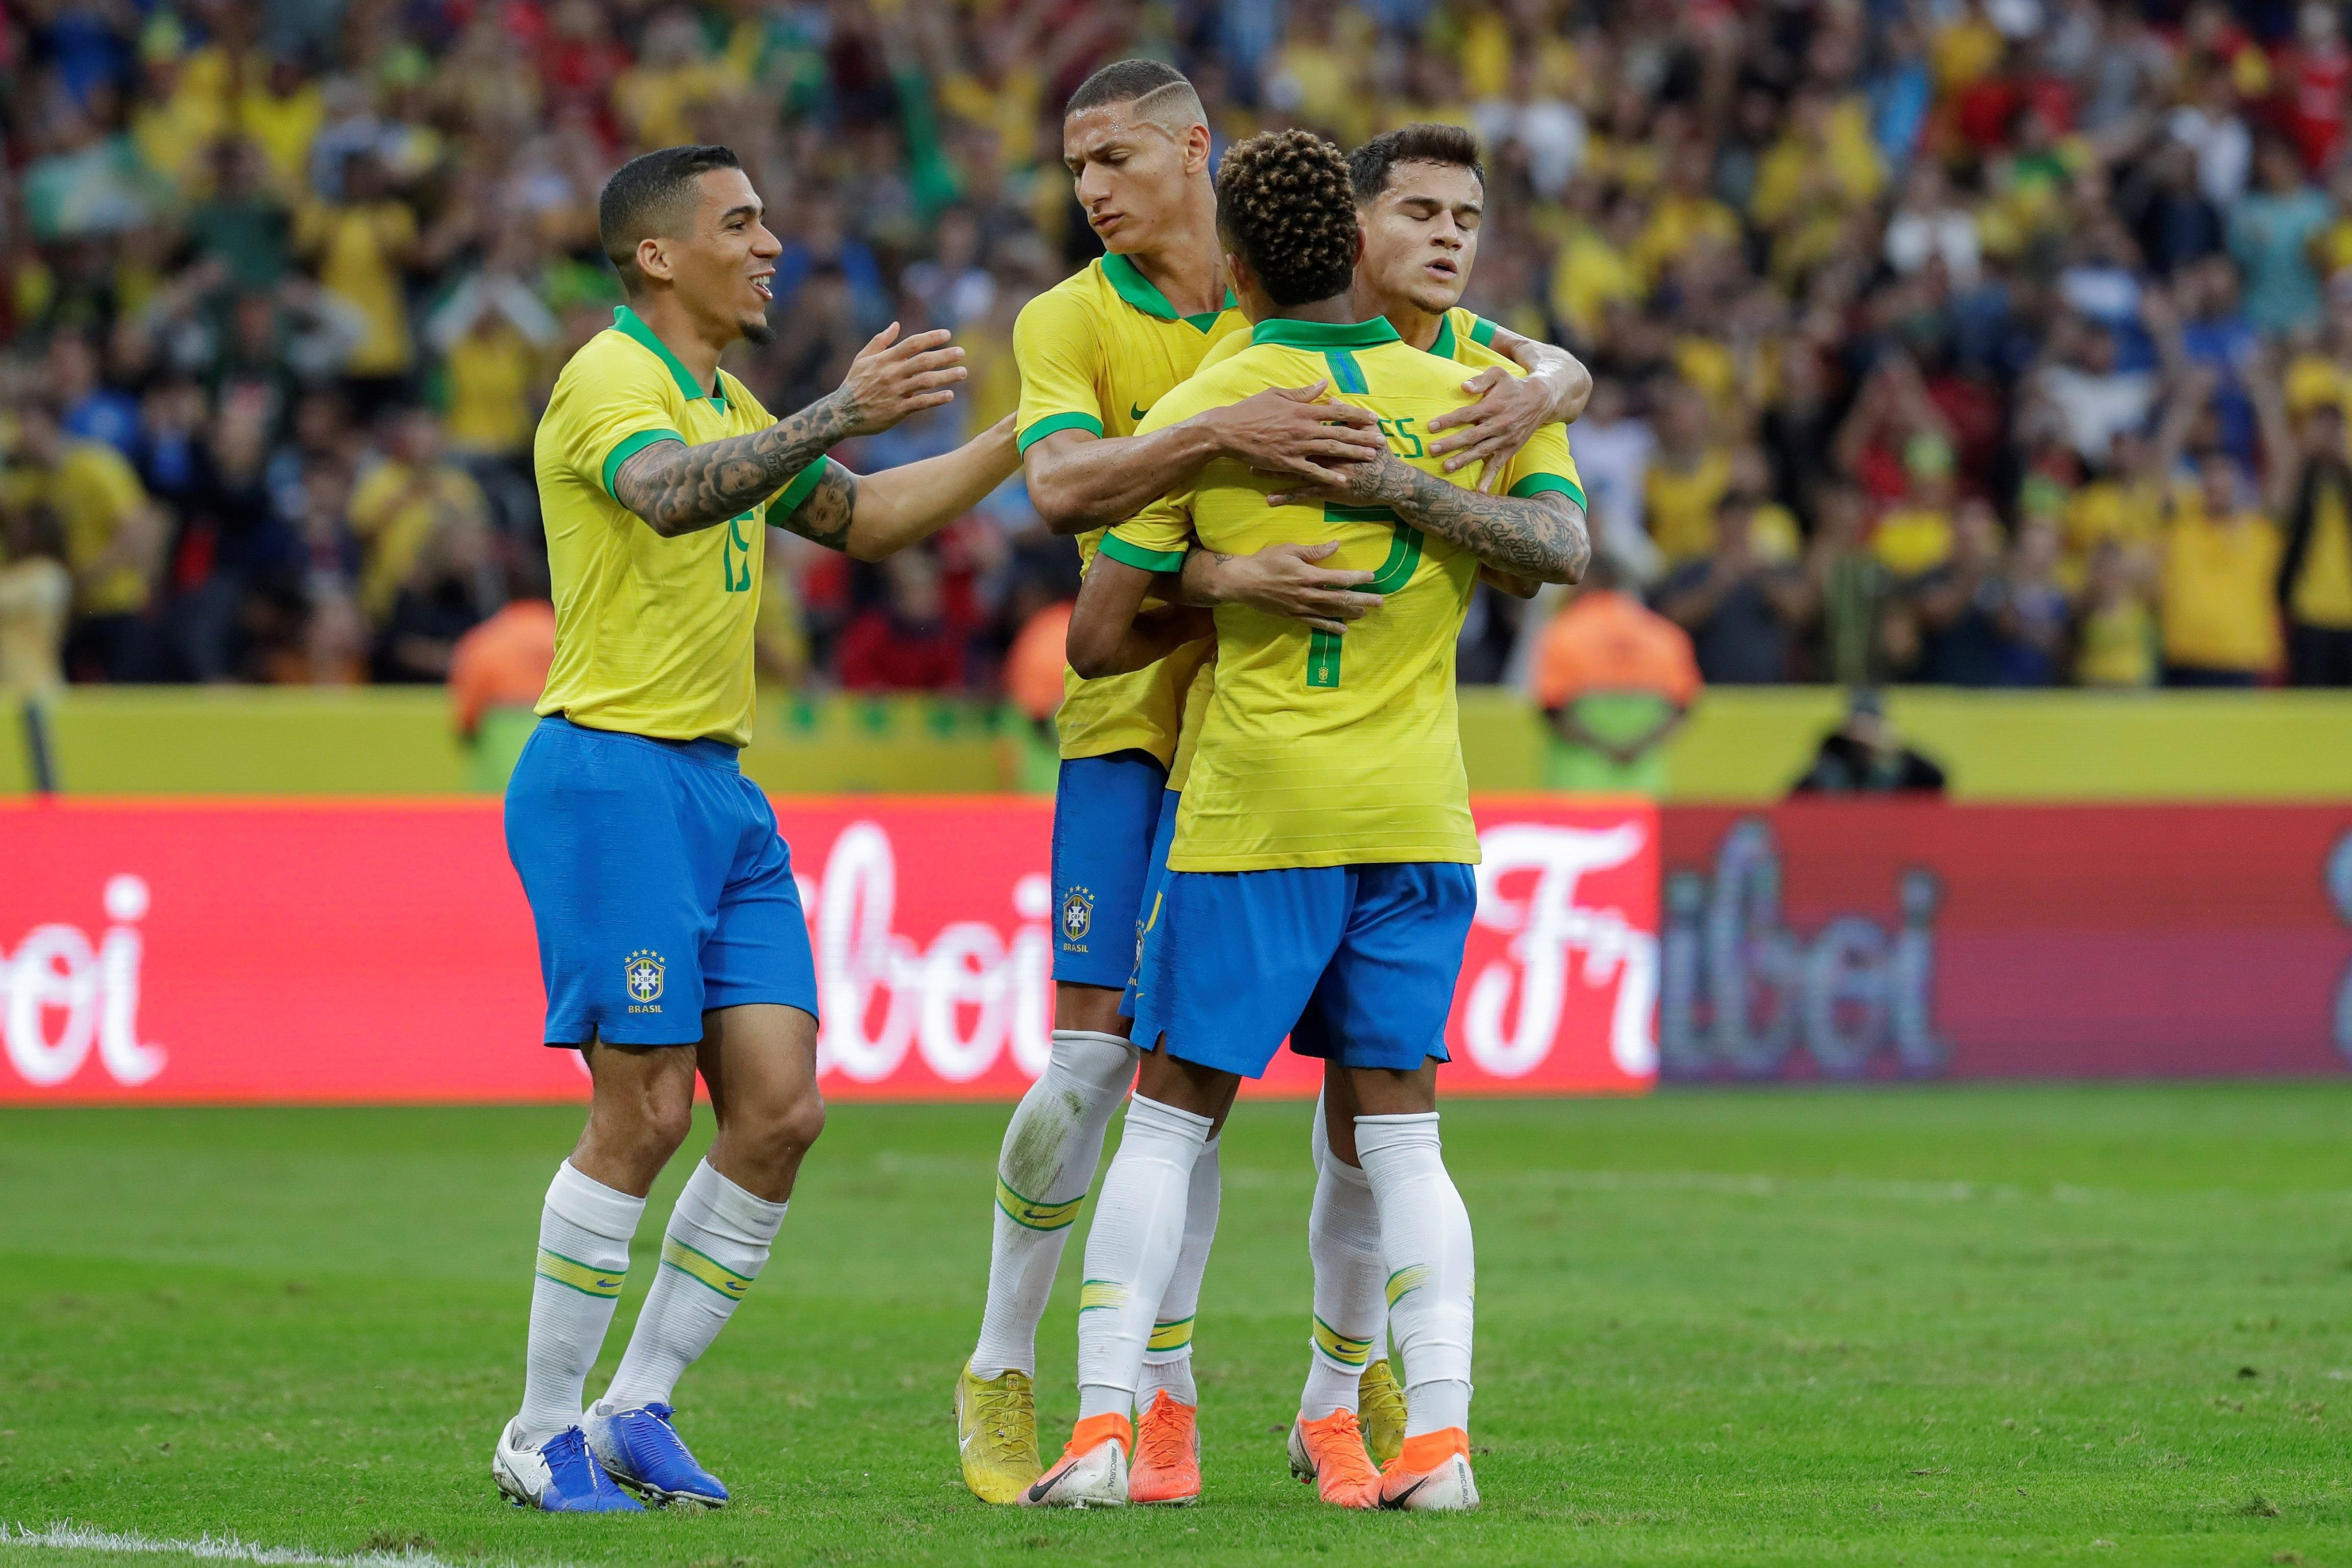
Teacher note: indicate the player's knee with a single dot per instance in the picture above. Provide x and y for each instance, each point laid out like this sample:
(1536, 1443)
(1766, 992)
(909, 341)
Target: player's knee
(778, 1135)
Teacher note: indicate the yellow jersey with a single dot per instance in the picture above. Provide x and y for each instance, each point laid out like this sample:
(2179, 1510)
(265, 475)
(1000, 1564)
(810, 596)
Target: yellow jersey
(1463, 335)
(1318, 750)
(94, 492)
(653, 635)
(1096, 352)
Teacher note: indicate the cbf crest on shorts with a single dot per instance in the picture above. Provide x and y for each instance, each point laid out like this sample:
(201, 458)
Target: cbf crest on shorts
(1078, 915)
(643, 973)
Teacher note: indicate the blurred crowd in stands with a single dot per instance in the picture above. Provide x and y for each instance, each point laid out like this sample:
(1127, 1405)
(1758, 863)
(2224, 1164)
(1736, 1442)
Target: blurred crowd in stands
(1995, 342)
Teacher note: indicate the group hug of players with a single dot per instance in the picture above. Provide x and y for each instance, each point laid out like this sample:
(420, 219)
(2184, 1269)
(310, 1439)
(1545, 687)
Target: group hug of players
(1289, 458)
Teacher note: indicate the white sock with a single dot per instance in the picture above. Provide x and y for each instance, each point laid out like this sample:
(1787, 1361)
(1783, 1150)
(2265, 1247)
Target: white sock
(1051, 1148)
(1433, 1271)
(1168, 1359)
(717, 1243)
(1343, 1241)
(583, 1257)
(1131, 1251)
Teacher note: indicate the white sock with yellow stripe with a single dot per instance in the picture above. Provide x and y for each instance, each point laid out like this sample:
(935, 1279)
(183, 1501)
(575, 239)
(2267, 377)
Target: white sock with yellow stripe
(1051, 1149)
(1131, 1251)
(1343, 1241)
(583, 1259)
(716, 1245)
(1433, 1271)
(1167, 1357)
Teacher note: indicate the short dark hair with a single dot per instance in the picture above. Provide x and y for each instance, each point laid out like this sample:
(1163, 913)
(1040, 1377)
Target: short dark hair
(1283, 203)
(649, 196)
(1423, 142)
(1124, 82)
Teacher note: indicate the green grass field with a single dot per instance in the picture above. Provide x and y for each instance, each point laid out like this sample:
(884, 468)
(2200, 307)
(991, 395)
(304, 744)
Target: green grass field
(1911, 1326)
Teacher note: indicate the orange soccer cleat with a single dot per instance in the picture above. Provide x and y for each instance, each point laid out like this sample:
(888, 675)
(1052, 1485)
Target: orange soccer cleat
(1433, 1473)
(1330, 1453)
(1167, 1453)
(1092, 1470)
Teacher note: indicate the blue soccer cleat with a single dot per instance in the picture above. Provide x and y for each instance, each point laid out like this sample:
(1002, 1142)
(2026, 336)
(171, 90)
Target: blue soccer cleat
(644, 1452)
(559, 1475)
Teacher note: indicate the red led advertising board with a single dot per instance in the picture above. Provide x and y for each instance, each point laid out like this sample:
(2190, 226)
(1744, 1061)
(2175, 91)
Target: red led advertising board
(382, 951)
(1844, 938)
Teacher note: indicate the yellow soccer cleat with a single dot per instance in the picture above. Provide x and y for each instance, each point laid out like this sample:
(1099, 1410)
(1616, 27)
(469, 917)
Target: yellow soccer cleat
(1380, 1405)
(996, 1430)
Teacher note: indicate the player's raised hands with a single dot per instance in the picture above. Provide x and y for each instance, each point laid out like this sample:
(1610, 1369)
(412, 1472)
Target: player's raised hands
(1507, 413)
(1286, 581)
(892, 378)
(1297, 431)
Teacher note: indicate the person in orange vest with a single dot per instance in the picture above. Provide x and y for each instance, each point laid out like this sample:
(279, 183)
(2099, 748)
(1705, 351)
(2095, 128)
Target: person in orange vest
(1616, 679)
(496, 676)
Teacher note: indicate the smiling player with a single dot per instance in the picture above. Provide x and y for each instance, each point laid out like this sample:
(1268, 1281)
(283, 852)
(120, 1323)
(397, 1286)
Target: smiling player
(670, 934)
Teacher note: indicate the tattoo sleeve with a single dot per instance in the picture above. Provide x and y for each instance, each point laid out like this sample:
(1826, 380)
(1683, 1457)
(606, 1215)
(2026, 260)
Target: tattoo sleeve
(1542, 537)
(823, 517)
(677, 489)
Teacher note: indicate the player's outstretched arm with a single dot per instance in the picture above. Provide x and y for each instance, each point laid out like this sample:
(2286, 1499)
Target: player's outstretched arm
(1540, 537)
(1110, 636)
(876, 515)
(677, 489)
(1078, 481)
(1508, 409)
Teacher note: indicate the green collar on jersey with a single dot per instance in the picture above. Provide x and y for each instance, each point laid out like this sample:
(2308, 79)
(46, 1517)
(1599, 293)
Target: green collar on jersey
(1319, 335)
(1444, 347)
(629, 324)
(1140, 291)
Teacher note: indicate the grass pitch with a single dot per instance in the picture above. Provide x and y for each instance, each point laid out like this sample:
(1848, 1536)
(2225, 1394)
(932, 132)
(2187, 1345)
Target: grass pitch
(1903, 1326)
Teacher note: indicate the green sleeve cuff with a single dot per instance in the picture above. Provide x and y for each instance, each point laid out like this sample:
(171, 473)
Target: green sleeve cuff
(789, 498)
(629, 447)
(1143, 560)
(1482, 331)
(1537, 484)
(1054, 423)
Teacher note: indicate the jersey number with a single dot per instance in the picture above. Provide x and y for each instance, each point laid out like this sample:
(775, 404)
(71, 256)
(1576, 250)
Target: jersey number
(1404, 555)
(733, 546)
(1402, 439)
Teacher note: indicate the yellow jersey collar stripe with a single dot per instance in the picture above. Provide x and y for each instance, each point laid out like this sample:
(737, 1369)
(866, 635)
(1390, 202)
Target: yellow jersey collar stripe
(1129, 553)
(1126, 279)
(1537, 484)
(629, 324)
(1054, 423)
(1320, 335)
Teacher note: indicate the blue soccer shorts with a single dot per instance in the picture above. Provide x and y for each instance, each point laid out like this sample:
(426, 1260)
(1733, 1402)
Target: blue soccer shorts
(1355, 963)
(1155, 884)
(657, 882)
(1106, 810)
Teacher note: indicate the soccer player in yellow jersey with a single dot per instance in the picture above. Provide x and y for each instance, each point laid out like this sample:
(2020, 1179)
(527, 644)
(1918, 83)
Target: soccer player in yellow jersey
(670, 936)
(1318, 883)
(1096, 354)
(1420, 193)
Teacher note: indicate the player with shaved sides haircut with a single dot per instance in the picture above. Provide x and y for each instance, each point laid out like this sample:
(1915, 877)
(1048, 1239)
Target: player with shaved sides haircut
(670, 934)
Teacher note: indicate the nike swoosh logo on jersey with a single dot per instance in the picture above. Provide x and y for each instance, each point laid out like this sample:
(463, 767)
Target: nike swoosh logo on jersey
(1135, 414)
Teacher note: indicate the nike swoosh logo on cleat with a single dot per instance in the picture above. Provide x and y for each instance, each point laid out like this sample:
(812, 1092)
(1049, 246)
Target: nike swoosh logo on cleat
(1405, 1496)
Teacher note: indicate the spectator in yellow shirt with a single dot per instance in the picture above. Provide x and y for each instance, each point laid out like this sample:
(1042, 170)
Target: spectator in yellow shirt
(1685, 213)
(2312, 492)
(2218, 603)
(403, 502)
(35, 597)
(113, 536)
(2114, 634)
(362, 245)
(1688, 473)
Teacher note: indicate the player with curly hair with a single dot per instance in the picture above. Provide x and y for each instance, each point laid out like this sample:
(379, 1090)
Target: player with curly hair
(1318, 881)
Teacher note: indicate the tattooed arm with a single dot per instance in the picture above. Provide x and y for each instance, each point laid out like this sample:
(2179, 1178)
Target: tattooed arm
(875, 515)
(677, 489)
(1540, 537)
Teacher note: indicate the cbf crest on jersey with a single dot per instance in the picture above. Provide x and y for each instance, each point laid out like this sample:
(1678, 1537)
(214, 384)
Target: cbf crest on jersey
(643, 973)
(1078, 915)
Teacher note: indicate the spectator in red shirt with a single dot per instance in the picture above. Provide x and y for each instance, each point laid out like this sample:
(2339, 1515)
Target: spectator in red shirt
(906, 643)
